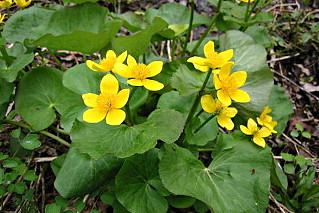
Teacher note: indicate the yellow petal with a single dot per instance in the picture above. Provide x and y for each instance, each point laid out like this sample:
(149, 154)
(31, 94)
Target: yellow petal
(155, 68)
(225, 70)
(259, 141)
(264, 132)
(240, 77)
(240, 96)
(90, 99)
(109, 84)
(217, 82)
(252, 125)
(95, 66)
(135, 82)
(201, 68)
(93, 115)
(225, 122)
(110, 54)
(115, 117)
(197, 60)
(122, 70)
(208, 103)
(131, 62)
(209, 48)
(227, 55)
(223, 97)
(121, 98)
(245, 130)
(121, 57)
(152, 85)
(229, 112)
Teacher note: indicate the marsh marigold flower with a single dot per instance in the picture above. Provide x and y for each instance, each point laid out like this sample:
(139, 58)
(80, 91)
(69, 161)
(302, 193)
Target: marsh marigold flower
(22, 3)
(2, 17)
(247, 1)
(266, 120)
(212, 59)
(139, 73)
(107, 63)
(107, 104)
(257, 133)
(224, 113)
(227, 85)
(5, 3)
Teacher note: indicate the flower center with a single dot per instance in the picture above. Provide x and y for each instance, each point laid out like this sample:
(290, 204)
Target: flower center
(108, 63)
(229, 85)
(215, 60)
(105, 101)
(140, 71)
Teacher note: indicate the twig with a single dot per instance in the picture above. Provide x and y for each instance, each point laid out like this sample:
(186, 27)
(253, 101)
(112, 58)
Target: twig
(44, 159)
(281, 207)
(298, 143)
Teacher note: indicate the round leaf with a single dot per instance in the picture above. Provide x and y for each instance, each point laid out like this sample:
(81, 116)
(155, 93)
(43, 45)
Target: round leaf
(30, 142)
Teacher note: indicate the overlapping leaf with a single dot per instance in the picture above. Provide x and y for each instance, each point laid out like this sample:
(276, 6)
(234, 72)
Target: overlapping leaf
(237, 180)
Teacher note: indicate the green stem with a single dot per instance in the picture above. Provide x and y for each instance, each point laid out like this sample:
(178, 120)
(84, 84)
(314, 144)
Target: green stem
(17, 123)
(190, 26)
(129, 119)
(204, 123)
(199, 113)
(204, 35)
(60, 130)
(247, 14)
(5, 55)
(205, 149)
(57, 61)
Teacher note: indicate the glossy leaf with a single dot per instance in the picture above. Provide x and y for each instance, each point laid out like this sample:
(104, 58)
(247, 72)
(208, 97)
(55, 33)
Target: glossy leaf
(237, 180)
(134, 184)
(30, 142)
(100, 139)
(40, 93)
(80, 174)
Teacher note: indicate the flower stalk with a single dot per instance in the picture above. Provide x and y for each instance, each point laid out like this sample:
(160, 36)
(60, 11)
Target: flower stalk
(204, 123)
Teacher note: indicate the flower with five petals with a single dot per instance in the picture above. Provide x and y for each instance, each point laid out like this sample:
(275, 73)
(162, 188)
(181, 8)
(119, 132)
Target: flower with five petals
(212, 59)
(22, 3)
(257, 133)
(227, 85)
(6, 3)
(139, 73)
(107, 104)
(266, 120)
(224, 113)
(107, 63)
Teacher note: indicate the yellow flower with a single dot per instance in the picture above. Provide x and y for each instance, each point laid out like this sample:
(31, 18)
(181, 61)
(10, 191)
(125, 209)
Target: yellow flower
(213, 59)
(2, 17)
(107, 104)
(22, 3)
(258, 134)
(247, 1)
(107, 63)
(224, 113)
(6, 3)
(266, 120)
(140, 72)
(227, 85)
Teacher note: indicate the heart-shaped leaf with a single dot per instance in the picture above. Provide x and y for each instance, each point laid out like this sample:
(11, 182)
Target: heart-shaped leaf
(100, 139)
(30, 142)
(80, 175)
(137, 182)
(237, 180)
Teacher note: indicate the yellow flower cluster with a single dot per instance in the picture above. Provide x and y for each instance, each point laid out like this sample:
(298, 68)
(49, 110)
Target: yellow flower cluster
(108, 103)
(20, 3)
(226, 84)
(267, 127)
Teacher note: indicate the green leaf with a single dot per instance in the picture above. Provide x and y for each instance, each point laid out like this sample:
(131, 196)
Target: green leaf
(40, 93)
(10, 73)
(30, 175)
(131, 20)
(52, 208)
(5, 93)
(61, 201)
(188, 81)
(137, 44)
(173, 100)
(30, 142)
(306, 134)
(238, 167)
(294, 134)
(250, 57)
(20, 187)
(300, 160)
(79, 205)
(134, 184)
(277, 176)
(81, 175)
(260, 35)
(289, 168)
(124, 141)
(16, 133)
(287, 157)
(9, 164)
(57, 163)
(108, 197)
(281, 108)
(180, 201)
(299, 127)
